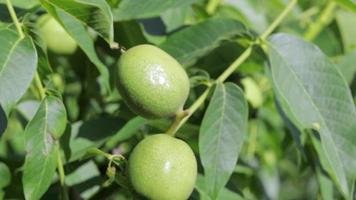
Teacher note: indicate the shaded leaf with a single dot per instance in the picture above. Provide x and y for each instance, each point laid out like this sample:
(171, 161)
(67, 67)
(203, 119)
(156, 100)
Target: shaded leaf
(140, 9)
(317, 97)
(221, 135)
(5, 175)
(90, 134)
(194, 42)
(85, 179)
(93, 13)
(80, 34)
(127, 131)
(40, 133)
(18, 62)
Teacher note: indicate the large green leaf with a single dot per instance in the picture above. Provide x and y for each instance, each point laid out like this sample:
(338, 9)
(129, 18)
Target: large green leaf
(18, 62)
(138, 9)
(93, 13)
(221, 135)
(194, 42)
(41, 132)
(316, 96)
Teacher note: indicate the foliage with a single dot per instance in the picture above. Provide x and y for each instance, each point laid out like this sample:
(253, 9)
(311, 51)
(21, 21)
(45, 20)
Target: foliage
(270, 115)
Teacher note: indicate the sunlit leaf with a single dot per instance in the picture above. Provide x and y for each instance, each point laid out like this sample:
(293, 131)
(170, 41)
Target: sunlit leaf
(318, 97)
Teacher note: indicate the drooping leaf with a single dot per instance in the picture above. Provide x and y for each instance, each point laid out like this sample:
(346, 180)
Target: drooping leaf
(129, 129)
(139, 9)
(93, 13)
(317, 97)
(221, 135)
(18, 62)
(41, 132)
(194, 42)
(90, 134)
(85, 180)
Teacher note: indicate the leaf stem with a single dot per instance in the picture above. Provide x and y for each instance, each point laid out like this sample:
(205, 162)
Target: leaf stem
(323, 19)
(278, 20)
(15, 19)
(179, 120)
(39, 86)
(61, 174)
(235, 64)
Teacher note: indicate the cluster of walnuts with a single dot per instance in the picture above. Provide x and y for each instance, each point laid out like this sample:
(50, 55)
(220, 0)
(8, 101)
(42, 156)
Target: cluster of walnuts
(154, 85)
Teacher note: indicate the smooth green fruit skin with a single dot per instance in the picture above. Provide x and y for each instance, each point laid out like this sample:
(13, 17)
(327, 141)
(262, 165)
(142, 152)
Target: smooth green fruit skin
(54, 35)
(152, 83)
(162, 167)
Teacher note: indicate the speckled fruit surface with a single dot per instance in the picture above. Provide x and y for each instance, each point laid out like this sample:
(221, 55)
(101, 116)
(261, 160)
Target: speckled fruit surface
(152, 83)
(54, 35)
(162, 167)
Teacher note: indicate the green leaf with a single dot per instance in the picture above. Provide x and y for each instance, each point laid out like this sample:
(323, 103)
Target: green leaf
(318, 97)
(85, 179)
(18, 62)
(347, 66)
(346, 22)
(129, 129)
(5, 175)
(175, 17)
(194, 42)
(40, 139)
(221, 135)
(93, 13)
(80, 34)
(349, 4)
(225, 193)
(90, 134)
(139, 9)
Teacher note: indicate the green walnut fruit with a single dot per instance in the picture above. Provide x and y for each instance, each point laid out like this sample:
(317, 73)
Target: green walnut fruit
(162, 167)
(152, 83)
(54, 35)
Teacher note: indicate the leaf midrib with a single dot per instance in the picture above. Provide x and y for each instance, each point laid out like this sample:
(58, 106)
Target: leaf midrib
(219, 134)
(9, 54)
